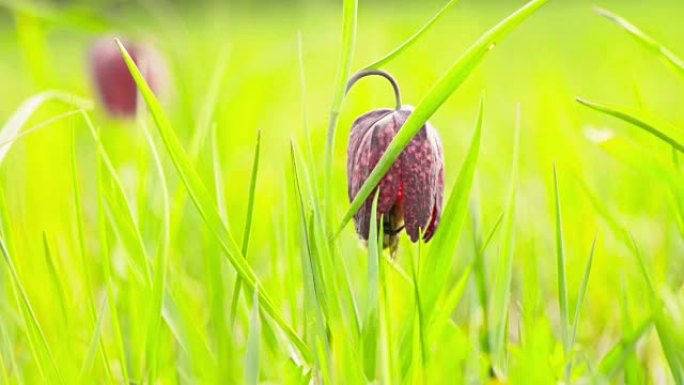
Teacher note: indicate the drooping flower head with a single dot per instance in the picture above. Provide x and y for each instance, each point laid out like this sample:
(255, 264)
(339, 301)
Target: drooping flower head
(412, 190)
(112, 80)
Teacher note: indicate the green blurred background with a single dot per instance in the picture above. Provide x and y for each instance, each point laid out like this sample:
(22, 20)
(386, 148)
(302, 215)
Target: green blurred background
(563, 52)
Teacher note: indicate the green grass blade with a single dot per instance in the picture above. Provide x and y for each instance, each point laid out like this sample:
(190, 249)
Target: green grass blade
(161, 262)
(203, 203)
(314, 306)
(580, 301)
(248, 224)
(632, 118)
(108, 267)
(33, 325)
(369, 338)
(414, 38)
(437, 264)
(389, 367)
(645, 40)
(95, 345)
(121, 212)
(439, 93)
(637, 158)
(16, 122)
(612, 362)
(491, 234)
(252, 353)
(583, 291)
(560, 266)
(58, 285)
(498, 306)
(451, 301)
(349, 17)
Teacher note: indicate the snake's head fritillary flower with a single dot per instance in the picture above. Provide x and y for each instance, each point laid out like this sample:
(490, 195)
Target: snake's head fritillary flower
(411, 192)
(112, 80)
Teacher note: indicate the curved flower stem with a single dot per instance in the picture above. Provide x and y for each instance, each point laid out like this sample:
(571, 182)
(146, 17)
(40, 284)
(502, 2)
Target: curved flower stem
(362, 74)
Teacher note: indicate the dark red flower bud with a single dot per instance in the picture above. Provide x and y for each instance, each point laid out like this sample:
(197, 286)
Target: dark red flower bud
(411, 192)
(112, 80)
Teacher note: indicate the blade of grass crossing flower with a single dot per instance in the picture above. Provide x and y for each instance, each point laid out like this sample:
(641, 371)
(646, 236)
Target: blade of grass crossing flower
(498, 311)
(645, 40)
(437, 95)
(371, 317)
(437, 264)
(560, 267)
(32, 324)
(414, 38)
(633, 119)
(248, 224)
(349, 16)
(203, 203)
(252, 353)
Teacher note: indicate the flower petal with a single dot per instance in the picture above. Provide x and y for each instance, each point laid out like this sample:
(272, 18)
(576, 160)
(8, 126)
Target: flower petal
(439, 192)
(359, 155)
(421, 163)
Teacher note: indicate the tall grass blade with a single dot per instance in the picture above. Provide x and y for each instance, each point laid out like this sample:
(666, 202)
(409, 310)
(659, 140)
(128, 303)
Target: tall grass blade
(560, 266)
(108, 267)
(252, 353)
(498, 306)
(632, 118)
(612, 362)
(14, 124)
(248, 224)
(583, 291)
(349, 16)
(95, 345)
(369, 338)
(121, 212)
(58, 285)
(414, 38)
(437, 95)
(161, 262)
(204, 205)
(313, 305)
(451, 301)
(647, 41)
(439, 259)
(33, 326)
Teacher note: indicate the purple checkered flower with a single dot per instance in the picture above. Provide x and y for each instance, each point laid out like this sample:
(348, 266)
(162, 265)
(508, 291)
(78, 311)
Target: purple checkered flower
(113, 82)
(412, 190)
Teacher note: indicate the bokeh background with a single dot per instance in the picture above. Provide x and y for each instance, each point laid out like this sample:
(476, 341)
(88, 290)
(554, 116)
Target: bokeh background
(248, 52)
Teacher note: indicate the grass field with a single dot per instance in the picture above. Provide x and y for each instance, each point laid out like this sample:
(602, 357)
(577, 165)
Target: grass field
(178, 247)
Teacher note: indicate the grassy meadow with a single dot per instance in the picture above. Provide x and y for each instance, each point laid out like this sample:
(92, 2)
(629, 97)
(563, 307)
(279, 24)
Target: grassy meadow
(198, 243)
